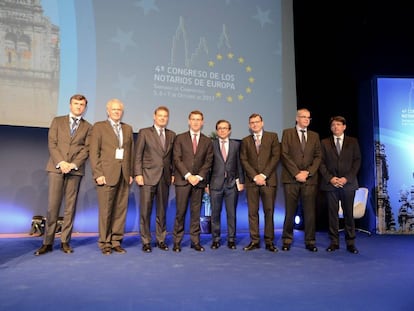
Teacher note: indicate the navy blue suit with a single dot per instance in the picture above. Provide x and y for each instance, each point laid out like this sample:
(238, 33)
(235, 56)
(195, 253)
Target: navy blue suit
(223, 187)
(346, 165)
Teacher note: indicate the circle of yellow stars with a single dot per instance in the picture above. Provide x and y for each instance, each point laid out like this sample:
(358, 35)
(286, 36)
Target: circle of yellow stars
(250, 80)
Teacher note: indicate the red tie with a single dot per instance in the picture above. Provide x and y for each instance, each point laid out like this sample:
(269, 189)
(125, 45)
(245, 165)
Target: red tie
(194, 143)
(223, 150)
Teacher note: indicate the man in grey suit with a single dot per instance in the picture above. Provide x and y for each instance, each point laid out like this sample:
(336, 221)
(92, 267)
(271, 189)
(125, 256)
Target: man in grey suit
(259, 156)
(153, 174)
(225, 182)
(68, 142)
(341, 160)
(193, 156)
(111, 158)
(301, 156)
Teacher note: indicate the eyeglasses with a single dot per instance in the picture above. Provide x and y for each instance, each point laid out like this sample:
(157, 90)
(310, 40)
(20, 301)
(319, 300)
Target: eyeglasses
(305, 117)
(222, 128)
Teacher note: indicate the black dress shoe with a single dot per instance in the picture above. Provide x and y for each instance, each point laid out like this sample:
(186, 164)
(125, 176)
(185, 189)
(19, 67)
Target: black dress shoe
(176, 248)
(43, 250)
(271, 248)
(311, 248)
(162, 246)
(119, 249)
(106, 251)
(251, 246)
(231, 245)
(332, 247)
(197, 247)
(352, 249)
(286, 247)
(65, 247)
(215, 245)
(147, 248)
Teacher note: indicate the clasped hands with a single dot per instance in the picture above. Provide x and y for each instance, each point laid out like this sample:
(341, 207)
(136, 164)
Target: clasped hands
(338, 182)
(260, 180)
(66, 167)
(193, 180)
(302, 176)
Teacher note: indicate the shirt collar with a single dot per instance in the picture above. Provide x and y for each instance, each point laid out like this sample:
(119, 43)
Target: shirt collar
(71, 116)
(258, 134)
(113, 122)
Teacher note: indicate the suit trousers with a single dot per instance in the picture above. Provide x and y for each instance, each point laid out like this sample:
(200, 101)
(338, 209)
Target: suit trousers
(184, 195)
(113, 205)
(230, 197)
(61, 186)
(148, 193)
(267, 194)
(304, 194)
(347, 202)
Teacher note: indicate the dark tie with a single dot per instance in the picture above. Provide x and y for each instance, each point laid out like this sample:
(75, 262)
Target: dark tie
(194, 143)
(116, 129)
(338, 145)
(257, 142)
(162, 138)
(303, 140)
(223, 150)
(74, 126)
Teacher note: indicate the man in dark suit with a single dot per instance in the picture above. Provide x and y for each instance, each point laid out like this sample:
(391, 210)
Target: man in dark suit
(259, 155)
(68, 143)
(193, 157)
(226, 180)
(341, 160)
(153, 174)
(301, 156)
(111, 158)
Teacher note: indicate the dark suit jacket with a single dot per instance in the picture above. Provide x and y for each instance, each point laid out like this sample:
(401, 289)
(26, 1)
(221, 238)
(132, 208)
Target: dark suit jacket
(185, 161)
(345, 165)
(63, 147)
(232, 168)
(263, 163)
(103, 145)
(151, 161)
(295, 160)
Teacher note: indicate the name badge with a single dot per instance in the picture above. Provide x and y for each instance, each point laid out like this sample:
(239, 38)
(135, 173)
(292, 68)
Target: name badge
(119, 153)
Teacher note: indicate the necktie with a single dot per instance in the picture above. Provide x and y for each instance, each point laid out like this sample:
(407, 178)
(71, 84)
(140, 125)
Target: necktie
(194, 143)
(257, 143)
(116, 128)
(74, 126)
(338, 145)
(162, 138)
(303, 140)
(223, 150)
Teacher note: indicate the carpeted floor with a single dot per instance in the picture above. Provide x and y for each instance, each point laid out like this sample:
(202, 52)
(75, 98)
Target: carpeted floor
(379, 278)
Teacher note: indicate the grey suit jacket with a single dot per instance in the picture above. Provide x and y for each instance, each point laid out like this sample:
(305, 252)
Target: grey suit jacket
(103, 145)
(151, 160)
(224, 174)
(346, 164)
(63, 147)
(295, 160)
(185, 161)
(263, 163)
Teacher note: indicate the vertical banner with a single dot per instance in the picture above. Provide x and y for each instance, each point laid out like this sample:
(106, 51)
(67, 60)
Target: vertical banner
(394, 148)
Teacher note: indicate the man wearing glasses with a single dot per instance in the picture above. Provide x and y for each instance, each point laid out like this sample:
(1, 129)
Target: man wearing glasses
(301, 157)
(226, 180)
(259, 155)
